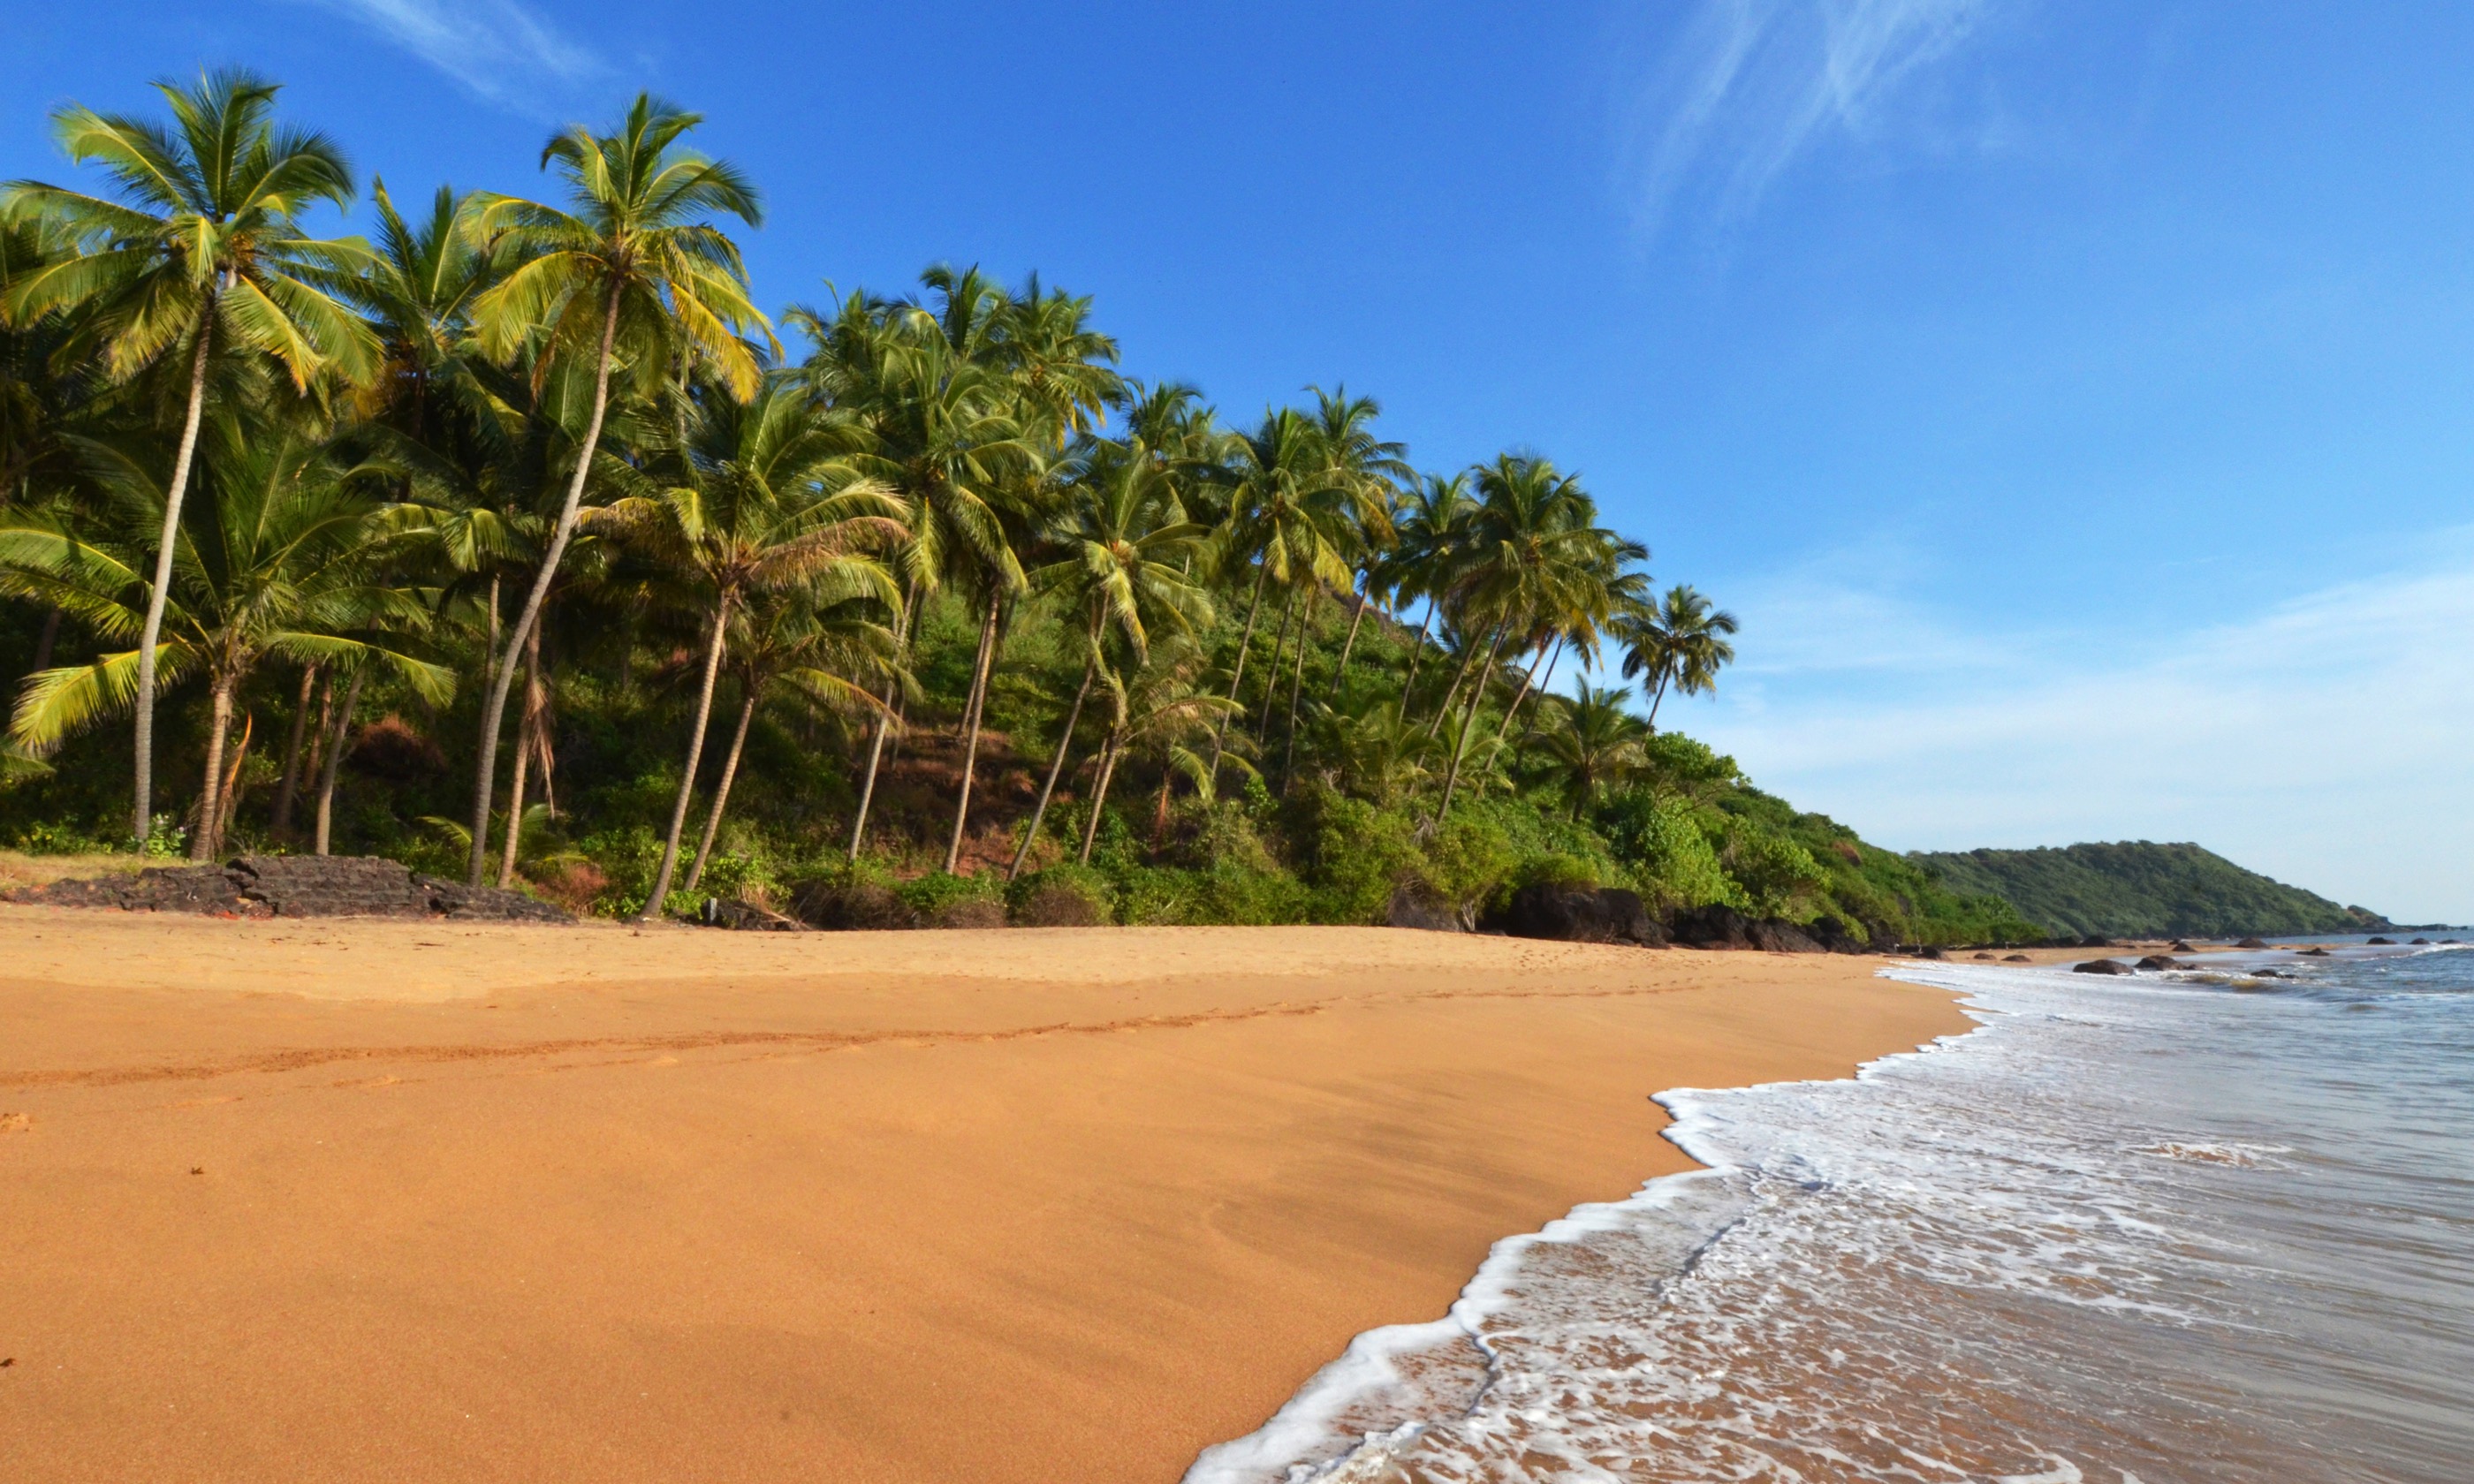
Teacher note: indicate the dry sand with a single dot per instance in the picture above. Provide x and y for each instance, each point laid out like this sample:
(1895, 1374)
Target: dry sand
(387, 1201)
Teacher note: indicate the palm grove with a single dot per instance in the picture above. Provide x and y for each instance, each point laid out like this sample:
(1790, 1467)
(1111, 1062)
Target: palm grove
(515, 539)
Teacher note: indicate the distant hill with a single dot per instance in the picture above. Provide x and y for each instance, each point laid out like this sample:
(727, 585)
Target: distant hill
(2138, 889)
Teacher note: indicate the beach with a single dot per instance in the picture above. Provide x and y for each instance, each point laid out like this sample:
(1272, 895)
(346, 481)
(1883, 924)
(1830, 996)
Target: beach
(344, 1200)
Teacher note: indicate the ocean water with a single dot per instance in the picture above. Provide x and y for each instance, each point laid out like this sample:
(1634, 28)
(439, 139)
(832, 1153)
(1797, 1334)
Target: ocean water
(2202, 1227)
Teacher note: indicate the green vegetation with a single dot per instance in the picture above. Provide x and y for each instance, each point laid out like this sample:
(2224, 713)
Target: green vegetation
(2135, 889)
(931, 613)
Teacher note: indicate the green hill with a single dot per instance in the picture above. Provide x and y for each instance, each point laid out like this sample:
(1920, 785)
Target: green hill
(2135, 888)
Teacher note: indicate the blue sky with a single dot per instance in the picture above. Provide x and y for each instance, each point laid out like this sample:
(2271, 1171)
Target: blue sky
(2072, 400)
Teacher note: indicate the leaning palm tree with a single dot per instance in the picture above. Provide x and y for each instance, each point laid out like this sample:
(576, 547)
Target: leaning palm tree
(1680, 642)
(1121, 568)
(1289, 519)
(769, 503)
(198, 252)
(632, 269)
(280, 558)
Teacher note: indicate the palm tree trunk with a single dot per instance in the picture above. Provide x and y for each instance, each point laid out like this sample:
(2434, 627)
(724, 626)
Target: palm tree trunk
(652, 909)
(883, 720)
(1435, 727)
(1237, 676)
(335, 757)
(503, 673)
(971, 712)
(1469, 721)
(1272, 690)
(1528, 680)
(1159, 813)
(527, 741)
(1654, 698)
(161, 590)
(211, 807)
(1098, 797)
(729, 774)
(1349, 646)
(1056, 765)
(1297, 686)
(292, 748)
(1417, 652)
(228, 796)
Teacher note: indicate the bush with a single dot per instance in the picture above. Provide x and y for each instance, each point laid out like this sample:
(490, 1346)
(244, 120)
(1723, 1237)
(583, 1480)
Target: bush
(1660, 839)
(1361, 856)
(933, 895)
(1469, 861)
(1779, 877)
(1063, 896)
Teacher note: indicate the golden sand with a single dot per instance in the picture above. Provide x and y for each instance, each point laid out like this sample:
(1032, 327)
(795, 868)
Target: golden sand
(393, 1201)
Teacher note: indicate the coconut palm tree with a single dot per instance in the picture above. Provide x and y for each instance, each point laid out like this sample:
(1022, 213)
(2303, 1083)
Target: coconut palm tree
(1372, 471)
(198, 252)
(1121, 565)
(829, 655)
(770, 501)
(280, 558)
(1431, 525)
(1594, 741)
(632, 268)
(1682, 642)
(1288, 519)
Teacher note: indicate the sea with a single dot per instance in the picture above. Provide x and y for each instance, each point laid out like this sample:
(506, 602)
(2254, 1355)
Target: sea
(2207, 1226)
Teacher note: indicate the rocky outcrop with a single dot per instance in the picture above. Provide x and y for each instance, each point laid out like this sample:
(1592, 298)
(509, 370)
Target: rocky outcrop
(2251, 943)
(1568, 914)
(2102, 966)
(2160, 960)
(1413, 906)
(2380, 943)
(1716, 926)
(2015, 958)
(298, 886)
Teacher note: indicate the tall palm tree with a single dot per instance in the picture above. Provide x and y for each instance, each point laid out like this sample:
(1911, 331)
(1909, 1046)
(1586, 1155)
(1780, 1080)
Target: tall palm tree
(1682, 642)
(828, 653)
(280, 558)
(1121, 565)
(633, 267)
(1431, 526)
(1371, 471)
(198, 252)
(1288, 519)
(768, 502)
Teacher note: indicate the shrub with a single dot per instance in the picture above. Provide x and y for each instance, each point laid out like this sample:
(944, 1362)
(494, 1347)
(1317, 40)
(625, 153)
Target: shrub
(1469, 861)
(1660, 839)
(945, 900)
(1063, 896)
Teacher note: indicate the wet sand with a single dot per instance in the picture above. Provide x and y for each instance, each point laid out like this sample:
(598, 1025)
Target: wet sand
(366, 1200)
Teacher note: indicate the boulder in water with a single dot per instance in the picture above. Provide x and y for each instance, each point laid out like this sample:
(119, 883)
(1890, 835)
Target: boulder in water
(2379, 943)
(2101, 966)
(2017, 958)
(2158, 961)
(2251, 943)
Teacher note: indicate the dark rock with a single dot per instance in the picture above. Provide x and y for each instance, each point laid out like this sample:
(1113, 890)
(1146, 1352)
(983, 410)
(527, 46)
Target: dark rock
(1771, 936)
(1984, 955)
(1566, 915)
(2270, 973)
(851, 906)
(745, 916)
(2312, 953)
(1931, 953)
(2094, 942)
(2422, 940)
(330, 886)
(2015, 958)
(2251, 943)
(1713, 927)
(1831, 936)
(2179, 946)
(1413, 906)
(457, 902)
(2101, 966)
(2389, 942)
(970, 912)
(2158, 961)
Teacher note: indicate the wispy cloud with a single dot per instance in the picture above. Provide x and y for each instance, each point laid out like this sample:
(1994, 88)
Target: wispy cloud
(1744, 87)
(497, 48)
(2322, 740)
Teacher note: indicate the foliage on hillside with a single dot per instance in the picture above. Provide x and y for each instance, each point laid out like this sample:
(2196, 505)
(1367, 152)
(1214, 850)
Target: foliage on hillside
(2138, 889)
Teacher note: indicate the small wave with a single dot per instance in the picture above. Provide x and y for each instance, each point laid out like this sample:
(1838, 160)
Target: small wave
(2237, 1156)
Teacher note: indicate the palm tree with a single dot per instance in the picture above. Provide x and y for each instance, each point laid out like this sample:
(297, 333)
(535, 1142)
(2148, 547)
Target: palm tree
(768, 502)
(1157, 709)
(1289, 518)
(633, 267)
(1122, 564)
(278, 560)
(201, 252)
(1431, 526)
(825, 654)
(1373, 472)
(1682, 642)
(1595, 740)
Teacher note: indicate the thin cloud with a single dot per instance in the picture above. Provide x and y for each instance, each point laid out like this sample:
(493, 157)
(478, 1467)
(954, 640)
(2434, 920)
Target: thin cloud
(497, 48)
(1748, 86)
(2322, 740)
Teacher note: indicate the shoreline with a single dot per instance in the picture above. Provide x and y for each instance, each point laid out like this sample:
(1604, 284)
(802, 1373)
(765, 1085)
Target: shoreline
(510, 1203)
